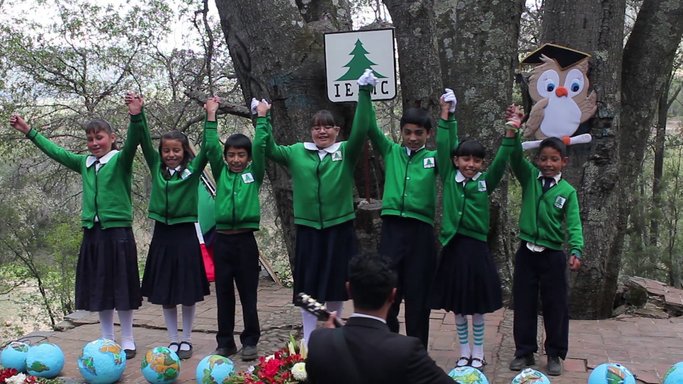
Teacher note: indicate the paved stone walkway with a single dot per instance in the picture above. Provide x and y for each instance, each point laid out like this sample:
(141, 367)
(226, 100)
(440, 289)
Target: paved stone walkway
(646, 346)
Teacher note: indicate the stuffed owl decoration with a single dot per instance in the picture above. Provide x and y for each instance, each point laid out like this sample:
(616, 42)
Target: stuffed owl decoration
(558, 87)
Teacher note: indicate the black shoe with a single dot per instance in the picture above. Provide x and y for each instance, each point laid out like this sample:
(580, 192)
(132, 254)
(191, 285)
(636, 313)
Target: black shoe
(554, 367)
(184, 354)
(130, 353)
(225, 351)
(249, 352)
(520, 362)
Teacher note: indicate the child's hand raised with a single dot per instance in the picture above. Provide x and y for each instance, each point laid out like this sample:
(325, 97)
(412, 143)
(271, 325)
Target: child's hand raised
(18, 123)
(514, 115)
(134, 102)
(367, 78)
(448, 99)
(211, 105)
(262, 108)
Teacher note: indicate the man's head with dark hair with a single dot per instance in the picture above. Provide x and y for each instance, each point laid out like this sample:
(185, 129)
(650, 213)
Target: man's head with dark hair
(371, 281)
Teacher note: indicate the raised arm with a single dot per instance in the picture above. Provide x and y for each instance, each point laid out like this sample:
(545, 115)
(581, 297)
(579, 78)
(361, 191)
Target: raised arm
(275, 152)
(133, 136)
(138, 126)
(211, 145)
(447, 133)
(497, 168)
(521, 167)
(54, 151)
(258, 149)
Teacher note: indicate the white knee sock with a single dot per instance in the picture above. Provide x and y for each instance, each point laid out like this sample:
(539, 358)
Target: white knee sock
(188, 318)
(126, 320)
(309, 322)
(463, 334)
(107, 324)
(337, 306)
(171, 320)
(478, 335)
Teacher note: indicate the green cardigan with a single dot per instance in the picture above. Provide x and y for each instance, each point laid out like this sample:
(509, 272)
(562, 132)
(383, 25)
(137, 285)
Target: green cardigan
(172, 201)
(237, 194)
(466, 209)
(409, 182)
(323, 189)
(543, 214)
(106, 194)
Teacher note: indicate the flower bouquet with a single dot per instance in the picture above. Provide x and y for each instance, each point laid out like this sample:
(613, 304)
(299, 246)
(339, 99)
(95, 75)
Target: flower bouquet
(286, 366)
(12, 376)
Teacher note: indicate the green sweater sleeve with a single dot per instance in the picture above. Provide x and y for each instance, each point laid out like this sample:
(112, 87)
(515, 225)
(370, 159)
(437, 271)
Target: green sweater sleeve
(496, 170)
(361, 122)
(131, 145)
(258, 149)
(446, 140)
(574, 228)
(275, 152)
(55, 152)
(138, 123)
(212, 147)
(521, 167)
(379, 141)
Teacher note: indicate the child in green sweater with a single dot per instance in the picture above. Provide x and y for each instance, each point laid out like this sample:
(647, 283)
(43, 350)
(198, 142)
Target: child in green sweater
(107, 276)
(549, 204)
(238, 168)
(467, 281)
(174, 271)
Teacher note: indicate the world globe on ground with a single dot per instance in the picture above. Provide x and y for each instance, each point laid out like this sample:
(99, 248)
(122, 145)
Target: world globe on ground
(45, 360)
(609, 373)
(214, 369)
(468, 375)
(530, 376)
(102, 361)
(160, 365)
(14, 356)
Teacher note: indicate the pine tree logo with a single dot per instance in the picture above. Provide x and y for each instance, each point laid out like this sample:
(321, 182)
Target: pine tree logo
(358, 64)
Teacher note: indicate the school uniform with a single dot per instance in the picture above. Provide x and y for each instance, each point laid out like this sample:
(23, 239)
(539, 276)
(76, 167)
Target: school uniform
(106, 272)
(540, 262)
(236, 255)
(467, 279)
(407, 237)
(323, 184)
(174, 270)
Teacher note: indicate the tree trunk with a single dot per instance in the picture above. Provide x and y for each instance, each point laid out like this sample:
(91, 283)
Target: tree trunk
(658, 168)
(478, 55)
(595, 27)
(277, 51)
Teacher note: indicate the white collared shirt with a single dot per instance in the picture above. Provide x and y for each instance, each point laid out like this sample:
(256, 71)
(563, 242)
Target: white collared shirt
(556, 178)
(460, 178)
(90, 160)
(322, 152)
(409, 152)
(356, 314)
(172, 171)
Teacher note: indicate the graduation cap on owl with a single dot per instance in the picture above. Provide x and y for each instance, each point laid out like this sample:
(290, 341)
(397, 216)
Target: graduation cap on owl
(558, 86)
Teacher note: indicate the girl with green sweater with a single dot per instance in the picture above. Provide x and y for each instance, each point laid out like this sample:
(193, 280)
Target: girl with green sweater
(107, 276)
(174, 272)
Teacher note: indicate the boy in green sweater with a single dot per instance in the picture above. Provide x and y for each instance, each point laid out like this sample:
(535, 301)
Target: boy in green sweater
(548, 203)
(408, 204)
(238, 169)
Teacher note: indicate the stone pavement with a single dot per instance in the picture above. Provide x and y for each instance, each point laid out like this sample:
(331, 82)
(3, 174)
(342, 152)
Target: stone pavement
(648, 347)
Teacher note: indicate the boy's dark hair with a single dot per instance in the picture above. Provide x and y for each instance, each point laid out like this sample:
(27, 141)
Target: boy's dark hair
(96, 125)
(469, 147)
(323, 117)
(371, 279)
(177, 135)
(417, 116)
(554, 143)
(237, 141)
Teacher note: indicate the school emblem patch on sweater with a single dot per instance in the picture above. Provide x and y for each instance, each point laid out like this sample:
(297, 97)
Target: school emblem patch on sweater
(247, 178)
(559, 202)
(336, 156)
(428, 162)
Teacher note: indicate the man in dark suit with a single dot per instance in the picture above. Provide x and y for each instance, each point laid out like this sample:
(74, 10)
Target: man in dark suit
(364, 350)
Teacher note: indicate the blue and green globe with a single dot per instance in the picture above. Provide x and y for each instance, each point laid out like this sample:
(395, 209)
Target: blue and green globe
(530, 376)
(160, 365)
(611, 373)
(468, 375)
(14, 356)
(214, 369)
(102, 362)
(44, 360)
(674, 375)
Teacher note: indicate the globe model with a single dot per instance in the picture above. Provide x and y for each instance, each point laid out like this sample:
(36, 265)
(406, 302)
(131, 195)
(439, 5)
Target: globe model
(14, 356)
(674, 375)
(468, 375)
(530, 376)
(612, 373)
(214, 369)
(44, 360)
(102, 362)
(160, 365)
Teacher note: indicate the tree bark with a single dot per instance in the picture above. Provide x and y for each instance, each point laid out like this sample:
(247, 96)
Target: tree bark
(277, 51)
(597, 28)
